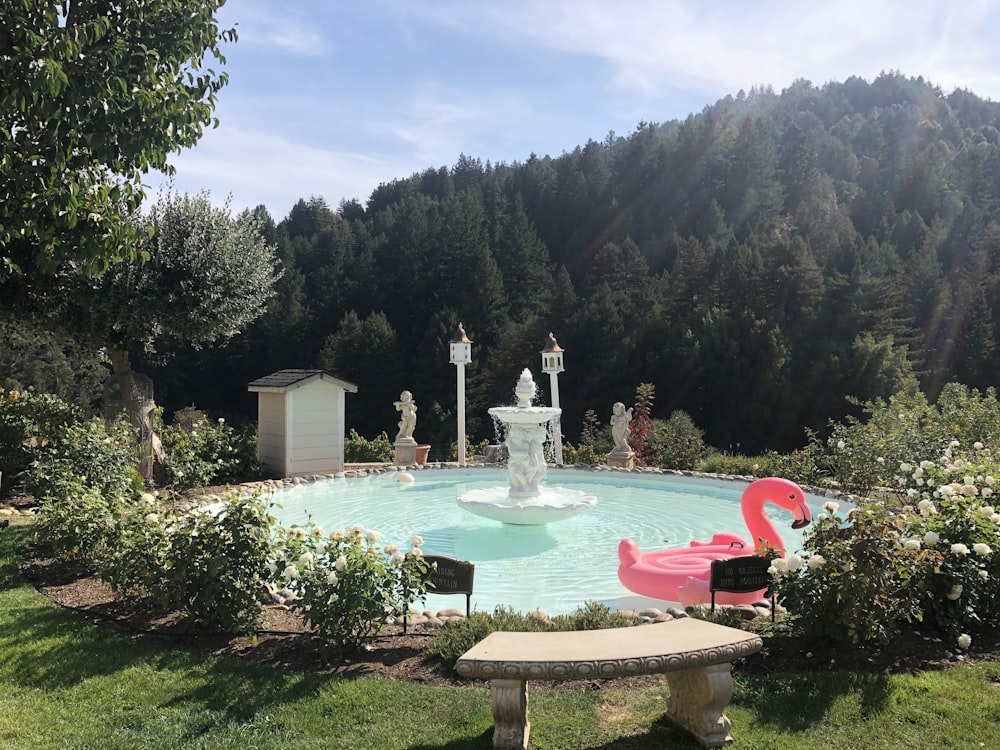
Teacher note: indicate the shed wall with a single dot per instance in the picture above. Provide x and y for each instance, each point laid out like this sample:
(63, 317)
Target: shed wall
(318, 437)
(271, 431)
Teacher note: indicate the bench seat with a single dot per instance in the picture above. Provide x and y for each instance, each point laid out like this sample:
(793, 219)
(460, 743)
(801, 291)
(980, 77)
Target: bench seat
(695, 655)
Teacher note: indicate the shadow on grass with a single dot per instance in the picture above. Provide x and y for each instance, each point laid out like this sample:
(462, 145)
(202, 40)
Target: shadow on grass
(479, 742)
(797, 702)
(43, 646)
(662, 733)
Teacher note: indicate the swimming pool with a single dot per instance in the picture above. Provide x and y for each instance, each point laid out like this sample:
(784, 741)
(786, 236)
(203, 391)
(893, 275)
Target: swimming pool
(554, 568)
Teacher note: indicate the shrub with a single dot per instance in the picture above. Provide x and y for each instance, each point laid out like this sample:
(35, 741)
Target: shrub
(203, 453)
(861, 454)
(638, 429)
(214, 563)
(584, 454)
(854, 585)
(676, 443)
(135, 565)
(347, 582)
(728, 616)
(950, 506)
(78, 525)
(735, 464)
(85, 454)
(595, 616)
(357, 450)
(798, 466)
(457, 637)
(595, 435)
(929, 561)
(471, 449)
(28, 423)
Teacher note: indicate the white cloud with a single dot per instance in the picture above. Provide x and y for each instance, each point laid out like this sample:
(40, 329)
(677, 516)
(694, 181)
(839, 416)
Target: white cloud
(259, 25)
(722, 47)
(437, 122)
(257, 167)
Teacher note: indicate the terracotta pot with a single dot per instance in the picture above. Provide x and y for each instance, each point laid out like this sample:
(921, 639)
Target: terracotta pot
(422, 451)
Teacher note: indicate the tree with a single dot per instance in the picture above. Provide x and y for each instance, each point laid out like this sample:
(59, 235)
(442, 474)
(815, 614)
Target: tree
(367, 351)
(31, 357)
(207, 277)
(95, 94)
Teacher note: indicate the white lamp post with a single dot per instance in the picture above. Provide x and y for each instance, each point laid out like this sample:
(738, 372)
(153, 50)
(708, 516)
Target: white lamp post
(552, 363)
(460, 354)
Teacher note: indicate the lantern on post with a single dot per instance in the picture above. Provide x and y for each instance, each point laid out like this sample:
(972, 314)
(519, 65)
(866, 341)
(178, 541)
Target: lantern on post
(460, 354)
(552, 363)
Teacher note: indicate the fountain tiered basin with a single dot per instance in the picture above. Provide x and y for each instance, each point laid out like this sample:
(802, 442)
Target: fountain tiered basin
(525, 501)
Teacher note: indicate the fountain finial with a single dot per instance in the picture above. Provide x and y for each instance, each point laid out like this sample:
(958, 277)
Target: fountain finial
(525, 389)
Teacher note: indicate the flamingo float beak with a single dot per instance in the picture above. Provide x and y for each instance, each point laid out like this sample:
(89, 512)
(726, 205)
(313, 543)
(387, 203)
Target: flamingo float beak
(802, 515)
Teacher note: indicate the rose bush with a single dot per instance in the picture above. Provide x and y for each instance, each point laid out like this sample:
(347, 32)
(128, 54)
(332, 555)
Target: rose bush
(348, 582)
(928, 559)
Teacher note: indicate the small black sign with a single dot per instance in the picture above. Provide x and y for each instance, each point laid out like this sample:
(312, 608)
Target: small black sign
(740, 575)
(446, 575)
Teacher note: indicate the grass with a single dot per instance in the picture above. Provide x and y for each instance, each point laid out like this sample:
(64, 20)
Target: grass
(65, 684)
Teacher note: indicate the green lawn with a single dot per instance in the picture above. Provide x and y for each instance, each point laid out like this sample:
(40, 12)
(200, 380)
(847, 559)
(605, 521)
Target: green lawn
(65, 684)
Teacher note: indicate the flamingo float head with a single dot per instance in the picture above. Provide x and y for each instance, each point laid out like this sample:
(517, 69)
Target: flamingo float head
(783, 493)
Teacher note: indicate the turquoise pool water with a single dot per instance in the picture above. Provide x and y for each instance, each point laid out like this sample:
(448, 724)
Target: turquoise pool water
(554, 568)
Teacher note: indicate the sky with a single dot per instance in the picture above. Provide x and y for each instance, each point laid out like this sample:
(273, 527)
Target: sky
(331, 98)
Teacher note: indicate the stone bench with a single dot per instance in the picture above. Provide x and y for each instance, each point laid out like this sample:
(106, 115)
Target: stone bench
(695, 655)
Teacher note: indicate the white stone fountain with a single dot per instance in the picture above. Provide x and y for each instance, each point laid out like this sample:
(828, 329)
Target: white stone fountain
(526, 502)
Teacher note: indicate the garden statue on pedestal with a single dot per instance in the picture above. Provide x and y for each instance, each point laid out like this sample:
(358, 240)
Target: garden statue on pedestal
(408, 409)
(621, 456)
(407, 453)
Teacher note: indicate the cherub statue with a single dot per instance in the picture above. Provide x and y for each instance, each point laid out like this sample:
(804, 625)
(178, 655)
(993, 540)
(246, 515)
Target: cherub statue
(408, 409)
(620, 420)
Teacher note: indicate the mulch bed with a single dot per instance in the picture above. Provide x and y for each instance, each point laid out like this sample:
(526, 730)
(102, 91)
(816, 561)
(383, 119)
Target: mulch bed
(284, 641)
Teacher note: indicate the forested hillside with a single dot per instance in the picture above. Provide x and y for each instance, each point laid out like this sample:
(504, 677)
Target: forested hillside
(757, 262)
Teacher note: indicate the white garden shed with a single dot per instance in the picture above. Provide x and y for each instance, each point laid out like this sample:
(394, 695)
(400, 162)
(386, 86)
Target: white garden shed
(300, 421)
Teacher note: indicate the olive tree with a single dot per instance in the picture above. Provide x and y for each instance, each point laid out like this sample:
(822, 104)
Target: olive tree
(206, 277)
(95, 94)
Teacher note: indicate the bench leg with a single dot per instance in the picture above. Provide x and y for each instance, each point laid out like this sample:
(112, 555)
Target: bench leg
(509, 701)
(698, 700)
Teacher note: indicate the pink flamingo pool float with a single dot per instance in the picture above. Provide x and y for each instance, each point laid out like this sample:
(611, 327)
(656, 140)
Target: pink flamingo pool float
(682, 574)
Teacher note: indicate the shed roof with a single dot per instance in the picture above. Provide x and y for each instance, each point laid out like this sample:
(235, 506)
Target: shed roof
(287, 380)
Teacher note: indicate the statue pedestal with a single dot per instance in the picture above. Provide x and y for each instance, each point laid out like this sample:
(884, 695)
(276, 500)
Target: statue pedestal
(406, 452)
(621, 459)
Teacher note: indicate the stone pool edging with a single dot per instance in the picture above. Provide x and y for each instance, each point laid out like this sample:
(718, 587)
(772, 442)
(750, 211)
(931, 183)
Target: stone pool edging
(360, 471)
